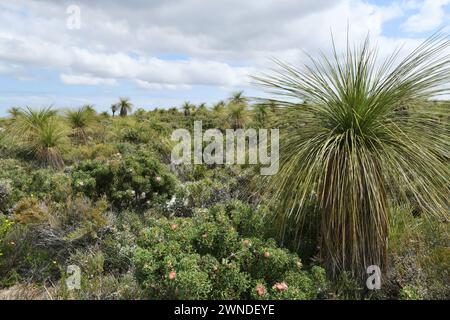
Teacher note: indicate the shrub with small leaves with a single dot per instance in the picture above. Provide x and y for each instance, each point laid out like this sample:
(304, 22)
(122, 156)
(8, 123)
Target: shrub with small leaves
(130, 181)
(205, 257)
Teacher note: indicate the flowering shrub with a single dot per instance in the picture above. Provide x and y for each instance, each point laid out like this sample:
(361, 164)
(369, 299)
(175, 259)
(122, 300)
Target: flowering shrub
(14, 179)
(216, 255)
(51, 185)
(127, 181)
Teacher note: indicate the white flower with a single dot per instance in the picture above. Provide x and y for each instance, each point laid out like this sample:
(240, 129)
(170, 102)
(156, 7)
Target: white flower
(172, 201)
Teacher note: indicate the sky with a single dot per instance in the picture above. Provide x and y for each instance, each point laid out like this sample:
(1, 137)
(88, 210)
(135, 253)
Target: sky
(160, 53)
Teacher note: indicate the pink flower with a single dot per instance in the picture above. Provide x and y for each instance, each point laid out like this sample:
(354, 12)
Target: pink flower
(173, 226)
(280, 286)
(172, 275)
(267, 254)
(260, 290)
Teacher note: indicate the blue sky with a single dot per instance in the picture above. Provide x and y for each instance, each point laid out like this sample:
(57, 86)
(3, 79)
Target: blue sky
(161, 53)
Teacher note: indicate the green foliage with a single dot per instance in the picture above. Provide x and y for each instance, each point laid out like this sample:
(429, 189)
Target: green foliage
(80, 121)
(14, 178)
(95, 284)
(205, 257)
(47, 184)
(5, 195)
(138, 228)
(358, 134)
(128, 181)
(124, 105)
(42, 134)
(20, 257)
(419, 256)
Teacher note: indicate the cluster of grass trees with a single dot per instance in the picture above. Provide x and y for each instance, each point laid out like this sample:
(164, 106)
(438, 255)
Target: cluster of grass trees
(47, 132)
(363, 181)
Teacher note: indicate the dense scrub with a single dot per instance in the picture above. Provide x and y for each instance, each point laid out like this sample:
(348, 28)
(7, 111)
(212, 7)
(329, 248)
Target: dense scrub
(220, 254)
(140, 228)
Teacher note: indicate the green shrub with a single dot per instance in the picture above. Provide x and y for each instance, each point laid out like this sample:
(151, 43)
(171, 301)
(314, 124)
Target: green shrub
(96, 283)
(131, 181)
(47, 184)
(14, 177)
(5, 195)
(419, 256)
(79, 218)
(205, 257)
(22, 258)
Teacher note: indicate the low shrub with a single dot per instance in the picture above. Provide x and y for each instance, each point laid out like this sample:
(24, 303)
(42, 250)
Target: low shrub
(96, 284)
(206, 257)
(419, 256)
(30, 210)
(131, 181)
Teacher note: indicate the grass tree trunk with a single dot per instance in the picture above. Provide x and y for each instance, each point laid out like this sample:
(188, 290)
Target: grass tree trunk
(354, 219)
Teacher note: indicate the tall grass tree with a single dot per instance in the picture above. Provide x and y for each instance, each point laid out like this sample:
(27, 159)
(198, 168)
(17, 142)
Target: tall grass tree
(125, 106)
(366, 140)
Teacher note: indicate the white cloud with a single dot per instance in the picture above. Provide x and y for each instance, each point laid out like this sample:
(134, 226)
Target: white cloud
(430, 16)
(168, 45)
(85, 79)
(157, 86)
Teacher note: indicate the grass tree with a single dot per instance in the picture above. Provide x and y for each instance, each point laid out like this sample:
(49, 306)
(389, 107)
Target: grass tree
(114, 109)
(90, 108)
(42, 133)
(14, 112)
(202, 108)
(261, 114)
(80, 120)
(367, 139)
(238, 98)
(187, 108)
(125, 106)
(219, 108)
(237, 114)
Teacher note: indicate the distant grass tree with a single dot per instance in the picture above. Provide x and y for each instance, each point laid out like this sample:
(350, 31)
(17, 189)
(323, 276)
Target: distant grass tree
(238, 98)
(261, 114)
(202, 108)
(80, 120)
(14, 112)
(219, 108)
(125, 106)
(187, 108)
(367, 138)
(114, 108)
(42, 133)
(237, 114)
